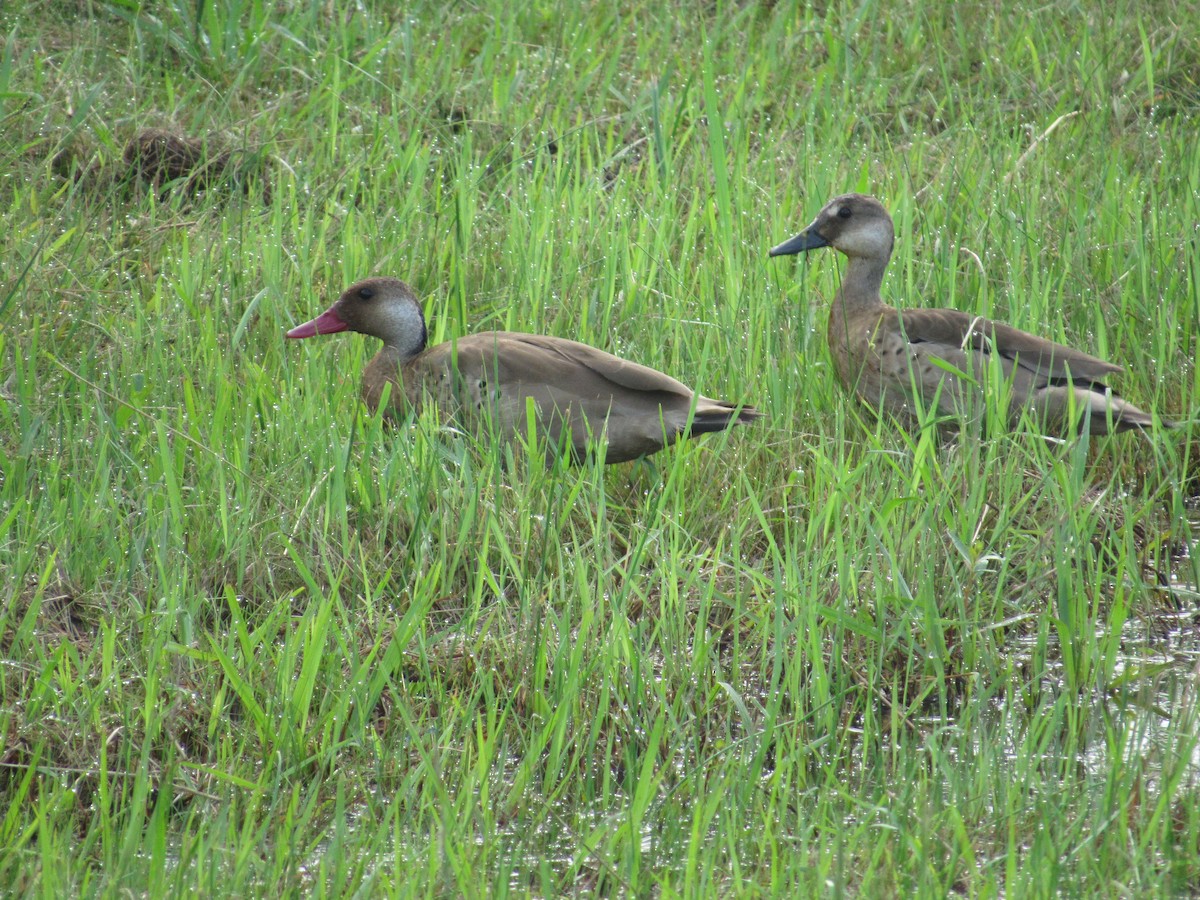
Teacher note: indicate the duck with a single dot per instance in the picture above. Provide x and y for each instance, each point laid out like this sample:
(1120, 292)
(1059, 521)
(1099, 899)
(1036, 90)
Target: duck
(490, 377)
(904, 361)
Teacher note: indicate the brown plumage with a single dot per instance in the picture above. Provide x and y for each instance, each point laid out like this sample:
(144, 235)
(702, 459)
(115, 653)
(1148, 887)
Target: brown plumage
(488, 377)
(890, 357)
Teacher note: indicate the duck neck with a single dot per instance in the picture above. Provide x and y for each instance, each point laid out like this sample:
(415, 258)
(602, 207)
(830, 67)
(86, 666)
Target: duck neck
(384, 369)
(389, 358)
(404, 335)
(858, 294)
(861, 283)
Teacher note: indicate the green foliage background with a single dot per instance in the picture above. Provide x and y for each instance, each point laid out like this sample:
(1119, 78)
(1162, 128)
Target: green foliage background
(252, 642)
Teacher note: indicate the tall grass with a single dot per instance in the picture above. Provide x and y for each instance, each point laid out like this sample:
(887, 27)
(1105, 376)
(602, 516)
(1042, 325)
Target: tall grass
(253, 641)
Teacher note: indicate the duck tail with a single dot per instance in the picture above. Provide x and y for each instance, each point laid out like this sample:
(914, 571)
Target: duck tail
(720, 416)
(1107, 409)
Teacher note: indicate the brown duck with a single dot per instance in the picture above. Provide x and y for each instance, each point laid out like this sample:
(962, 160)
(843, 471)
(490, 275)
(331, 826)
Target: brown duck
(890, 357)
(637, 409)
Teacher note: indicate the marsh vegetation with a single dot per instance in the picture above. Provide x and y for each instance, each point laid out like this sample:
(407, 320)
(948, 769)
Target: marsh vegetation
(253, 641)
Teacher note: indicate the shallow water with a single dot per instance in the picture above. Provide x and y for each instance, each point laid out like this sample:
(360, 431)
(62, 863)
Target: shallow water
(1143, 720)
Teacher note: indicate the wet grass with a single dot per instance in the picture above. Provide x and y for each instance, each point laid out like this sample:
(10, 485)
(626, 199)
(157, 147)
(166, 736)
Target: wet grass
(254, 642)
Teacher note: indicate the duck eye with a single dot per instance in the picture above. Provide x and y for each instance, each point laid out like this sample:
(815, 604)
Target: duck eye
(845, 212)
(366, 293)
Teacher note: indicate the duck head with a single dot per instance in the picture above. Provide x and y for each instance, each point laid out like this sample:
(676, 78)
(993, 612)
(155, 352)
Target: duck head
(385, 308)
(855, 224)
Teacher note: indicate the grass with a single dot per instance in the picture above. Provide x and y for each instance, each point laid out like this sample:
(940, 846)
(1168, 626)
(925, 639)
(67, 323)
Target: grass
(254, 642)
